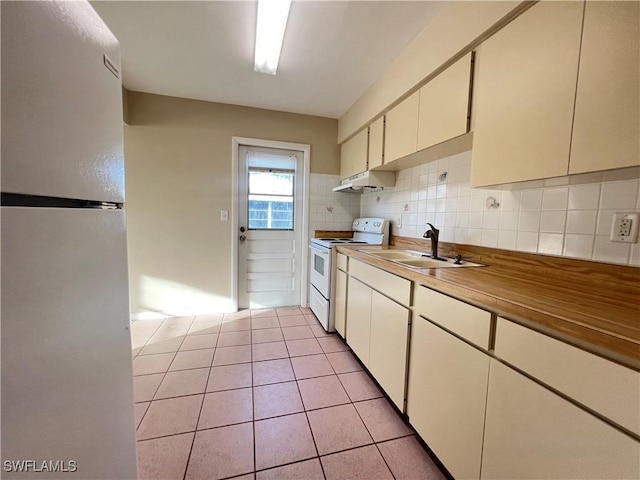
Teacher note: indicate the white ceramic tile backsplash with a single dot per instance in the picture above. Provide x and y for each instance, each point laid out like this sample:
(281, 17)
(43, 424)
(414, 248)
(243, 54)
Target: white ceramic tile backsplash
(329, 210)
(569, 216)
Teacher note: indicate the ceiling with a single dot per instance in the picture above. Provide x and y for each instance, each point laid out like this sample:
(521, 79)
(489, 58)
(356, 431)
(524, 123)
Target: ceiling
(333, 50)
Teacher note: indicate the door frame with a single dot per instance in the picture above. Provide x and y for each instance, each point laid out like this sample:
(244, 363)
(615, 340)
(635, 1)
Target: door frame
(306, 162)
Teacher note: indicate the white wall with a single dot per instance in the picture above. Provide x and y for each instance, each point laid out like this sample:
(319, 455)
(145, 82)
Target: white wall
(568, 216)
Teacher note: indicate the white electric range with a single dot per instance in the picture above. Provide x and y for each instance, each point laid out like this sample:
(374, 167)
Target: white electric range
(366, 231)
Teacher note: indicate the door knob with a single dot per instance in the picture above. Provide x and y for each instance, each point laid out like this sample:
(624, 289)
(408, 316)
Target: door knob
(242, 238)
(242, 229)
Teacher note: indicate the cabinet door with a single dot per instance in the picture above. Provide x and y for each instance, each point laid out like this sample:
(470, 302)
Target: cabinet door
(359, 319)
(533, 433)
(525, 96)
(606, 127)
(388, 346)
(446, 396)
(376, 143)
(341, 303)
(401, 129)
(444, 105)
(353, 154)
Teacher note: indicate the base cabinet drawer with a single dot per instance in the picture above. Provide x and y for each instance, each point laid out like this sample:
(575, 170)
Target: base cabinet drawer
(446, 396)
(393, 286)
(532, 432)
(471, 323)
(602, 385)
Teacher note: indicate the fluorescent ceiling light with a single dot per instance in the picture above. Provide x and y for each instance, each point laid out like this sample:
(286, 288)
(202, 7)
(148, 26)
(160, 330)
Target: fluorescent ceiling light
(272, 22)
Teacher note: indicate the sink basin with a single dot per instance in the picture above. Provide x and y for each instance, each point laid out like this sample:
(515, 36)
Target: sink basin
(416, 259)
(431, 263)
(396, 254)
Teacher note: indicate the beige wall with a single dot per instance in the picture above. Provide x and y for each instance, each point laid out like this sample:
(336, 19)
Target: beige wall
(456, 26)
(178, 178)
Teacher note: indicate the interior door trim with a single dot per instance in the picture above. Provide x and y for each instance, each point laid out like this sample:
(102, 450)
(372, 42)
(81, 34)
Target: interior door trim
(306, 162)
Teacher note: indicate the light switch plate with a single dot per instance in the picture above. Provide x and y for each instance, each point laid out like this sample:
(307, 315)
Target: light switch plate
(224, 215)
(624, 227)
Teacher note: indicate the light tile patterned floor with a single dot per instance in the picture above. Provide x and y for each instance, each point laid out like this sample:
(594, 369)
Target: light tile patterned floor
(263, 394)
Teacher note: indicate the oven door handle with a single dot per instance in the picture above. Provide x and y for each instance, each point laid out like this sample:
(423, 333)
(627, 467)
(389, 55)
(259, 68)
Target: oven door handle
(319, 251)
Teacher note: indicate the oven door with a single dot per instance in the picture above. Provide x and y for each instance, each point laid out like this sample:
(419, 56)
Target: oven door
(320, 269)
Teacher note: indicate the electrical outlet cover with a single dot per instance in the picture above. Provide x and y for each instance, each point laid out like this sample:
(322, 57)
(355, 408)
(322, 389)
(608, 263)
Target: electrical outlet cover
(624, 227)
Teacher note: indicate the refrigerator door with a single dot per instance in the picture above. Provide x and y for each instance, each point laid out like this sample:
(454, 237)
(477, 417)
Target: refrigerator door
(61, 104)
(67, 384)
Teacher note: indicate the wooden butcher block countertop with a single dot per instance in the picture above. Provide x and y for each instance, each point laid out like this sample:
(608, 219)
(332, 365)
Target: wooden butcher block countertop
(595, 306)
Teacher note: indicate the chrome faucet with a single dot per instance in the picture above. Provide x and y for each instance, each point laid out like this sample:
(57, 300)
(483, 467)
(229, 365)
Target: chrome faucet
(433, 234)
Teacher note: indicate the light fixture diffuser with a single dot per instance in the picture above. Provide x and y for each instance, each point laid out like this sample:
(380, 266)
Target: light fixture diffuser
(272, 22)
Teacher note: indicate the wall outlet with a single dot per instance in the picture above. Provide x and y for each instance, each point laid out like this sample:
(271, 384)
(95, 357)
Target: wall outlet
(625, 227)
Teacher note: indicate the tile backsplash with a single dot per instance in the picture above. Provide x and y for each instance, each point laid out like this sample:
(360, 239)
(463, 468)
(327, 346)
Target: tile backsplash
(568, 216)
(329, 210)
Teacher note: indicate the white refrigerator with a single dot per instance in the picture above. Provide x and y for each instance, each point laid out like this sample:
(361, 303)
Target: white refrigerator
(66, 378)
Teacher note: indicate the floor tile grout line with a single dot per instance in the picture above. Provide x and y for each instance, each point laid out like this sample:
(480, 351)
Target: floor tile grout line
(385, 461)
(193, 442)
(286, 465)
(374, 441)
(160, 383)
(253, 411)
(313, 437)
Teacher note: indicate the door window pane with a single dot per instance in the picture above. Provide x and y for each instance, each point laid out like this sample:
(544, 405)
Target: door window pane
(271, 199)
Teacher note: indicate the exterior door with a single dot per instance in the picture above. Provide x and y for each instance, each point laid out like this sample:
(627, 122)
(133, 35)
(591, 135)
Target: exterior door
(270, 227)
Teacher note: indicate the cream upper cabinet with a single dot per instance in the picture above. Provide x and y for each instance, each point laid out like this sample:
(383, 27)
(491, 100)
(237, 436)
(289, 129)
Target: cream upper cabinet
(353, 154)
(606, 131)
(376, 143)
(444, 105)
(446, 396)
(401, 129)
(526, 85)
(530, 432)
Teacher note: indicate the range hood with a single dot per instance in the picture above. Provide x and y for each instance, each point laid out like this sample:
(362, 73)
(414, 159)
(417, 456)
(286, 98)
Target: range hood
(365, 181)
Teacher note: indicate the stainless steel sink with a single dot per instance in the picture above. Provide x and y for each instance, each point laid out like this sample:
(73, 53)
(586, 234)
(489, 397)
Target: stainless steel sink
(417, 259)
(396, 254)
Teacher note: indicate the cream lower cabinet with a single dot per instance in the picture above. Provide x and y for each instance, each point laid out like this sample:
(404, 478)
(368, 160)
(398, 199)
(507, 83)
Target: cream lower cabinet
(340, 307)
(531, 432)
(377, 325)
(389, 336)
(359, 319)
(446, 396)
